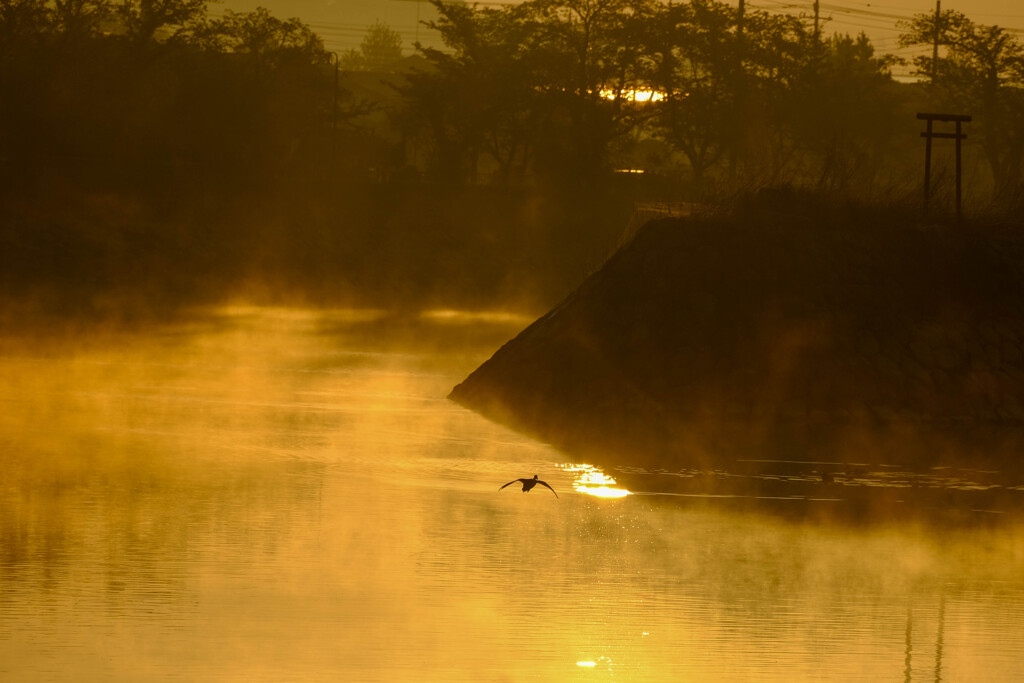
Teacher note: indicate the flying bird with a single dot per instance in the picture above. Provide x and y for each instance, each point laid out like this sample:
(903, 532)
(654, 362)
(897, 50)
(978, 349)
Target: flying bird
(530, 483)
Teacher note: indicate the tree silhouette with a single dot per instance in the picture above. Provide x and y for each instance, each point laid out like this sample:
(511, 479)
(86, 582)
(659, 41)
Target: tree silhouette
(843, 112)
(380, 48)
(540, 92)
(444, 103)
(542, 85)
(79, 19)
(22, 21)
(594, 61)
(982, 73)
(691, 64)
(260, 36)
(143, 18)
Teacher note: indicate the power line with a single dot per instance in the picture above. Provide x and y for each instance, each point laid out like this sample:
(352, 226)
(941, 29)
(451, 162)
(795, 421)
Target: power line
(867, 17)
(864, 13)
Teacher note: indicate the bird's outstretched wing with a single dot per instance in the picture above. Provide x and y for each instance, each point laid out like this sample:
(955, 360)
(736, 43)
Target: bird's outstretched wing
(548, 485)
(509, 484)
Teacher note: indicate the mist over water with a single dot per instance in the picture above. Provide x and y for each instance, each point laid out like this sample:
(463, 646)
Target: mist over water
(282, 494)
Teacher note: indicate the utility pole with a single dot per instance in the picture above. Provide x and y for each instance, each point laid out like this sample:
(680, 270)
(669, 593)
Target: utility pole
(739, 24)
(740, 85)
(418, 3)
(333, 58)
(935, 44)
(817, 11)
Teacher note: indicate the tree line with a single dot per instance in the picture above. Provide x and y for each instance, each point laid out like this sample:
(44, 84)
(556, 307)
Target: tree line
(156, 93)
(717, 94)
(152, 152)
(555, 92)
(153, 157)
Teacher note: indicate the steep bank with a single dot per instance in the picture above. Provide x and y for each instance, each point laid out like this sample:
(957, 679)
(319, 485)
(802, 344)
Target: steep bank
(843, 338)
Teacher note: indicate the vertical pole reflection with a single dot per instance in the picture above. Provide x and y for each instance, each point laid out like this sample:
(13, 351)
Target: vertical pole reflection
(938, 638)
(907, 675)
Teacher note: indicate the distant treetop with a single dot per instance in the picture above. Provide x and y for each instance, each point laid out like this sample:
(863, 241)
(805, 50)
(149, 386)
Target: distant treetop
(380, 49)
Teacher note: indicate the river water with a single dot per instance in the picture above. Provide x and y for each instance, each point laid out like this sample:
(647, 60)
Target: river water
(286, 495)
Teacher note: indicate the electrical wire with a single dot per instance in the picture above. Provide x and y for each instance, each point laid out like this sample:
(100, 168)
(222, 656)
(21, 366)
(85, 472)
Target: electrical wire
(878, 21)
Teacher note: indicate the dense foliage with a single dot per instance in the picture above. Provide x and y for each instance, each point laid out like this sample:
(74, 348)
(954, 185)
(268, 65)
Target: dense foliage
(547, 91)
(704, 93)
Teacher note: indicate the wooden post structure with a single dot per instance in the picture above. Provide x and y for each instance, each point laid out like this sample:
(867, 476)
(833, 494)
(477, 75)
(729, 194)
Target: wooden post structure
(959, 119)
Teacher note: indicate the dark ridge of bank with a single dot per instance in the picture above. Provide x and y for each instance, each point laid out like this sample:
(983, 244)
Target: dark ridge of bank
(841, 339)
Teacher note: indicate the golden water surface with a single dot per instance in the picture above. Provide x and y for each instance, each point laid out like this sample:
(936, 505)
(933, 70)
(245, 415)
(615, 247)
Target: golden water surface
(282, 495)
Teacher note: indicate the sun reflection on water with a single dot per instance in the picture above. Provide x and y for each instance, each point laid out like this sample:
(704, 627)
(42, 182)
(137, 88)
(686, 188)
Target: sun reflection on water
(594, 482)
(592, 663)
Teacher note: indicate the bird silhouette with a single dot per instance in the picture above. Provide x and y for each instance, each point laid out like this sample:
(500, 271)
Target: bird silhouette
(529, 484)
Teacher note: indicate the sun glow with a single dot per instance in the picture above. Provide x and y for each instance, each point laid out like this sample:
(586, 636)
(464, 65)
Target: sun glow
(633, 95)
(594, 482)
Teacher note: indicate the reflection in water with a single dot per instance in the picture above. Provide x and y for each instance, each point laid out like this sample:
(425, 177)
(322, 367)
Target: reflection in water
(594, 482)
(908, 657)
(907, 668)
(938, 638)
(282, 495)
